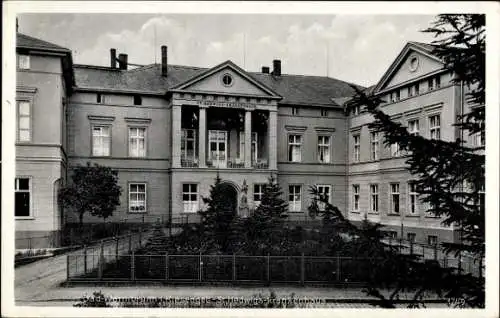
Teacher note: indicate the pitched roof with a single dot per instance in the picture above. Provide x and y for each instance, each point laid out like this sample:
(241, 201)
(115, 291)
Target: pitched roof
(295, 89)
(28, 42)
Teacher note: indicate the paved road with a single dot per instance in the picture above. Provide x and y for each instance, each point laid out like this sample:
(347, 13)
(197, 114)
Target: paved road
(34, 281)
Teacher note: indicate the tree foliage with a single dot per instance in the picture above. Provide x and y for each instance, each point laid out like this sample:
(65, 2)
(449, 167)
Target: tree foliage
(449, 175)
(94, 189)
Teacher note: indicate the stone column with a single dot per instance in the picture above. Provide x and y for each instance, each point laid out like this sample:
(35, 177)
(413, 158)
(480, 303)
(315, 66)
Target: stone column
(176, 135)
(202, 139)
(248, 139)
(272, 142)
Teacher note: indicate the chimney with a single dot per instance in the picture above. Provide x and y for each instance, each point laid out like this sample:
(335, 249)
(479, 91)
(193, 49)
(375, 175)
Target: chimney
(276, 67)
(265, 69)
(164, 60)
(113, 57)
(123, 61)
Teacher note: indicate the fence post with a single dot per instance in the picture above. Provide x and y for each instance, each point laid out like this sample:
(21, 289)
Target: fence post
(268, 268)
(101, 260)
(411, 248)
(117, 246)
(29, 243)
(200, 273)
(85, 259)
(67, 267)
(234, 268)
(129, 242)
(302, 269)
(166, 266)
(140, 236)
(338, 268)
(459, 261)
(132, 266)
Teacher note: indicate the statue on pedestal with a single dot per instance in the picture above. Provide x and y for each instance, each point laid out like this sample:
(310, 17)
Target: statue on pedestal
(244, 200)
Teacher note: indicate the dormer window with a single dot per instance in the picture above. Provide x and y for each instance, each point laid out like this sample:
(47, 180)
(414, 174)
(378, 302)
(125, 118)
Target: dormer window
(227, 80)
(100, 98)
(137, 100)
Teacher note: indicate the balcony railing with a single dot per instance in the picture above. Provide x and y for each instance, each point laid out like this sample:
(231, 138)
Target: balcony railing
(189, 163)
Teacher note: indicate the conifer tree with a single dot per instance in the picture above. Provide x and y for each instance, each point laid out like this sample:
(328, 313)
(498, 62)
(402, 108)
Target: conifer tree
(449, 175)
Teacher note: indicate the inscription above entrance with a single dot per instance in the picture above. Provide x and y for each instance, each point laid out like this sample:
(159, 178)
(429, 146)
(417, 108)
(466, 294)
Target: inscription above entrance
(226, 105)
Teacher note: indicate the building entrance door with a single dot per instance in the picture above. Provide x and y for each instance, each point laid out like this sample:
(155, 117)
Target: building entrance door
(217, 140)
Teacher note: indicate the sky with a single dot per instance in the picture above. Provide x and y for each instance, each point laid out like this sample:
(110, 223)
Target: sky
(353, 48)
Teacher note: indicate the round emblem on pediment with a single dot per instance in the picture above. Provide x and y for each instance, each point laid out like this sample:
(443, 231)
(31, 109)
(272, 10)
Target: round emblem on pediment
(413, 63)
(227, 79)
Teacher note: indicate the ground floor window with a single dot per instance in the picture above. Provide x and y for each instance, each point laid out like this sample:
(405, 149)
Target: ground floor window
(137, 197)
(22, 199)
(325, 193)
(294, 198)
(190, 197)
(258, 191)
(355, 199)
(432, 239)
(411, 237)
(374, 198)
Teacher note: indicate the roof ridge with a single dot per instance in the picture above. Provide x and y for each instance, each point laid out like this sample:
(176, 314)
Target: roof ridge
(43, 41)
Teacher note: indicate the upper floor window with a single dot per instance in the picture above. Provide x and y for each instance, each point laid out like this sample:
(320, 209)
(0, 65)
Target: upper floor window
(432, 239)
(23, 62)
(324, 149)
(294, 148)
(254, 146)
(23, 121)
(137, 100)
(295, 110)
(413, 90)
(258, 192)
(430, 84)
(100, 99)
(434, 83)
(294, 198)
(356, 110)
(413, 127)
(395, 96)
(395, 150)
(190, 197)
(395, 198)
(137, 197)
(479, 138)
(437, 81)
(356, 147)
(324, 112)
(355, 197)
(411, 237)
(374, 198)
(324, 192)
(413, 197)
(188, 144)
(101, 140)
(22, 205)
(137, 142)
(435, 126)
(374, 145)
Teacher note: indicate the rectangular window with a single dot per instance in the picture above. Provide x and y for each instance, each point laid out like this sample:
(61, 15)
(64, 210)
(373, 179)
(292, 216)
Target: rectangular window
(435, 127)
(356, 147)
(356, 110)
(432, 240)
(413, 197)
(324, 112)
(137, 197)
(374, 145)
(324, 149)
(295, 110)
(411, 237)
(294, 148)
(374, 198)
(101, 141)
(355, 198)
(23, 62)
(23, 121)
(100, 98)
(294, 198)
(254, 146)
(137, 142)
(392, 235)
(395, 151)
(395, 96)
(413, 127)
(188, 144)
(417, 89)
(479, 139)
(395, 198)
(430, 84)
(438, 81)
(325, 193)
(22, 204)
(190, 197)
(137, 100)
(410, 91)
(258, 191)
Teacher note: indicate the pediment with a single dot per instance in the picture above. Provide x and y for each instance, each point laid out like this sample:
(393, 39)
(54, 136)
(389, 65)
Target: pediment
(412, 62)
(226, 78)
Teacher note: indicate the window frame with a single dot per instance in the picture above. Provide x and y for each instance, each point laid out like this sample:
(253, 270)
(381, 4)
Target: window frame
(100, 99)
(29, 191)
(324, 112)
(137, 137)
(262, 186)
(327, 145)
(412, 193)
(296, 144)
(411, 237)
(429, 240)
(295, 111)
(357, 147)
(184, 143)
(194, 204)
(436, 128)
(293, 203)
(411, 129)
(100, 125)
(137, 100)
(395, 153)
(374, 146)
(129, 193)
(321, 205)
(356, 197)
(392, 194)
(28, 60)
(28, 101)
(372, 201)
